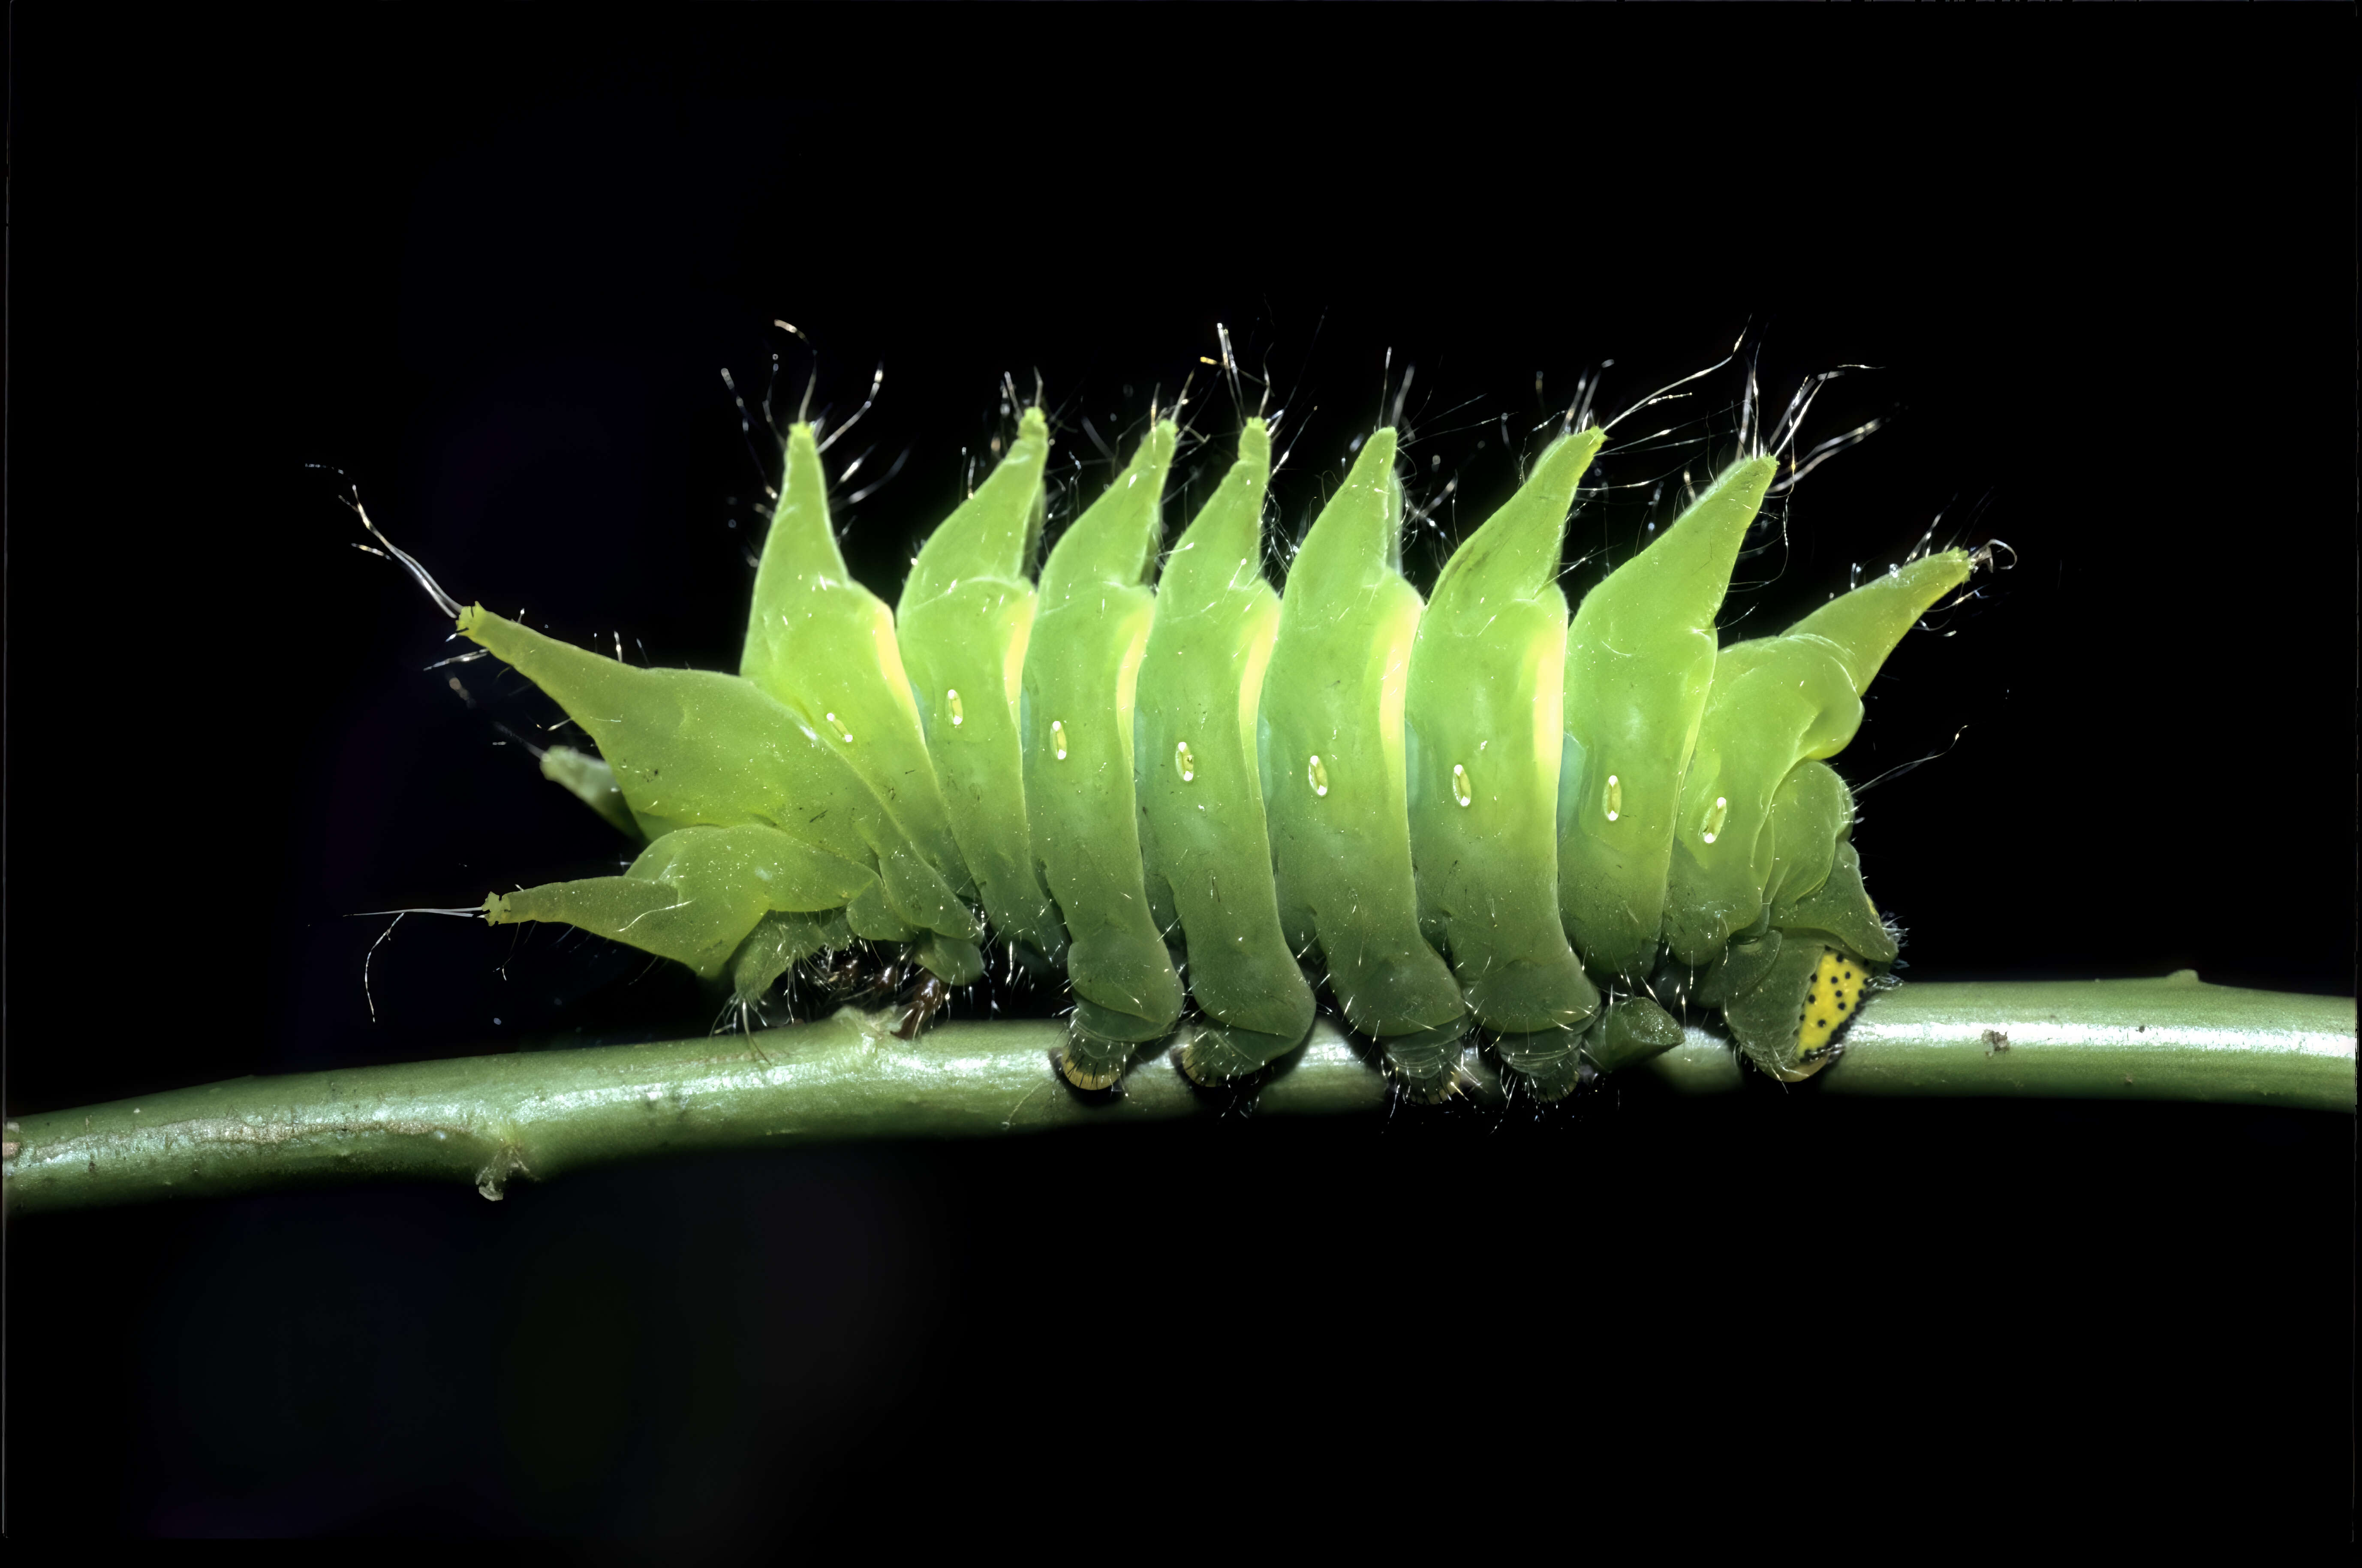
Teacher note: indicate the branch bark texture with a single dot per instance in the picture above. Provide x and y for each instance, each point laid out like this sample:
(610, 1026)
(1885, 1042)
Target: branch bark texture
(486, 1119)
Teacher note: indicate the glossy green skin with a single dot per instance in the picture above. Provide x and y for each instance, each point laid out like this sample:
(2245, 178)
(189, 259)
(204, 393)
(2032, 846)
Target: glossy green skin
(965, 618)
(693, 749)
(1640, 662)
(824, 646)
(1080, 671)
(1339, 677)
(1778, 702)
(1202, 834)
(1483, 749)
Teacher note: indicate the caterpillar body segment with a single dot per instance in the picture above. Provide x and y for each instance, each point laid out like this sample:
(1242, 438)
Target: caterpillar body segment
(964, 620)
(1333, 755)
(1082, 668)
(824, 646)
(1775, 702)
(1470, 813)
(1765, 890)
(1639, 661)
(1483, 748)
(1778, 703)
(1203, 839)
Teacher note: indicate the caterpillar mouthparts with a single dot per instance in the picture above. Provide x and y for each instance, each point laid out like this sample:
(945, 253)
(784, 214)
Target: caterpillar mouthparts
(1471, 812)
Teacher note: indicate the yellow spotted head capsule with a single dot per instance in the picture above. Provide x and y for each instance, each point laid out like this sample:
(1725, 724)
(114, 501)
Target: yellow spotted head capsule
(1830, 1000)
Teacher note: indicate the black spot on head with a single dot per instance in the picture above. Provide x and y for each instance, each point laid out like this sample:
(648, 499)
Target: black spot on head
(1841, 1007)
(1822, 1022)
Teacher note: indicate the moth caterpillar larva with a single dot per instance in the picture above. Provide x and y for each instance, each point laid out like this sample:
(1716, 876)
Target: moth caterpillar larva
(1472, 812)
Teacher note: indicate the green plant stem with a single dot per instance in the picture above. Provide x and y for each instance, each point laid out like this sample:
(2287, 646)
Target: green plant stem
(485, 1119)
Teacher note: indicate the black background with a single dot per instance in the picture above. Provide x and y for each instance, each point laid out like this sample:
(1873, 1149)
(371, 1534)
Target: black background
(490, 265)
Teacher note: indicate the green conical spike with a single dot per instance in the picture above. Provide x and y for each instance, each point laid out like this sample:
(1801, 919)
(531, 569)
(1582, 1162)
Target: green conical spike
(1114, 541)
(996, 531)
(1864, 626)
(1222, 547)
(801, 545)
(695, 894)
(1517, 553)
(1357, 539)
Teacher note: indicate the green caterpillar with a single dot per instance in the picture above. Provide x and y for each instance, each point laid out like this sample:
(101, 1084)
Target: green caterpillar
(1468, 812)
